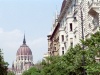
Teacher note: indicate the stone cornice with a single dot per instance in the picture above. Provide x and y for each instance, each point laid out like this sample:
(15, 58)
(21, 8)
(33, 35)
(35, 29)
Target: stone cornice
(64, 9)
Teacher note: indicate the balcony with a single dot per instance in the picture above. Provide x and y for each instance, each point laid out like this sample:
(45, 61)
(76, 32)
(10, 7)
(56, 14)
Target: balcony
(93, 25)
(95, 5)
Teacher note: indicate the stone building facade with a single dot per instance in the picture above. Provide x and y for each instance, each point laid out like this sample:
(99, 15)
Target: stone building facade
(68, 26)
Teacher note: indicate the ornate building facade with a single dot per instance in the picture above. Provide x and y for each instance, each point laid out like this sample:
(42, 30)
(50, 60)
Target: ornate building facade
(24, 59)
(75, 16)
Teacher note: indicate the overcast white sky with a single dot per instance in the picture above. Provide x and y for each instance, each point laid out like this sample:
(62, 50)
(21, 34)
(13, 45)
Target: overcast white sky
(34, 17)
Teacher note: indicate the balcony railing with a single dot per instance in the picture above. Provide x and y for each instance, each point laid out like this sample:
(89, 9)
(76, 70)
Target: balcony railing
(94, 4)
(94, 24)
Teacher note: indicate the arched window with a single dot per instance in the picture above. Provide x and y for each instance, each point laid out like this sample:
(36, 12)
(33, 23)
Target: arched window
(22, 57)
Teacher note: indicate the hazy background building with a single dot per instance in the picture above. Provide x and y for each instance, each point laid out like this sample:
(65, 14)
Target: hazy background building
(24, 59)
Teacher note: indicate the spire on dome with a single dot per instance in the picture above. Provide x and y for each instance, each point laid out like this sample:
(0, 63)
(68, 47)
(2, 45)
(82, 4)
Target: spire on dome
(24, 41)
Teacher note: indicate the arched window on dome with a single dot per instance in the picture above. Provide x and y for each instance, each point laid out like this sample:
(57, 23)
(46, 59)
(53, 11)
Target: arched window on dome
(21, 57)
(25, 57)
(28, 58)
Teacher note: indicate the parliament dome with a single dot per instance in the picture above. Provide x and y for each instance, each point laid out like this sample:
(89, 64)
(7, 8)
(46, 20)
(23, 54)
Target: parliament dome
(24, 49)
(24, 59)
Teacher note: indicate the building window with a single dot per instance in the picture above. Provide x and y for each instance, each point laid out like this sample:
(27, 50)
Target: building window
(28, 57)
(71, 27)
(25, 57)
(71, 42)
(62, 50)
(75, 36)
(54, 48)
(21, 57)
(62, 38)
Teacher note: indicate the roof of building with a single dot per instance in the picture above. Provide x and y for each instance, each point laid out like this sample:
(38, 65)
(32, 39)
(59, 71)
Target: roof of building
(56, 28)
(24, 49)
(63, 5)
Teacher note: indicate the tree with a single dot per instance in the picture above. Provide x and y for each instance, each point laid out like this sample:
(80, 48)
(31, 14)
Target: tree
(71, 62)
(93, 52)
(32, 71)
(3, 65)
(10, 73)
(25, 73)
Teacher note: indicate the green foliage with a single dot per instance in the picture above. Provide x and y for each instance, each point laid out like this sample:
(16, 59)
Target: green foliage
(93, 69)
(32, 71)
(52, 66)
(93, 52)
(10, 73)
(71, 62)
(3, 65)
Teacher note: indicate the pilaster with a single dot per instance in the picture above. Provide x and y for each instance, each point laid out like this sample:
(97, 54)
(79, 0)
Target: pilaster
(99, 21)
(86, 22)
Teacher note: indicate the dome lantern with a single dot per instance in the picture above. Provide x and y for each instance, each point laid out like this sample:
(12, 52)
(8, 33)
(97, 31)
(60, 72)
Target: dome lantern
(24, 40)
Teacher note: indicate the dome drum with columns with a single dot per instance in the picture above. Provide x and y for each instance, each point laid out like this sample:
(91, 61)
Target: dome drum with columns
(24, 59)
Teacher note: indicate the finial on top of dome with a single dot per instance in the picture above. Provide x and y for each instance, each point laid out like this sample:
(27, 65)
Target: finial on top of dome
(24, 41)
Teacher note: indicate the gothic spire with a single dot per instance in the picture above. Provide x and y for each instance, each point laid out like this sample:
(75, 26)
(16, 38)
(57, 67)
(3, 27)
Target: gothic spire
(24, 41)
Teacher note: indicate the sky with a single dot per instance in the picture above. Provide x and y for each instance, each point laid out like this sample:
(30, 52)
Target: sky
(32, 17)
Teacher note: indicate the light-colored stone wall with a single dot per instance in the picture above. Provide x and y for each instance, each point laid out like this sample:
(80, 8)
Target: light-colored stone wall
(89, 10)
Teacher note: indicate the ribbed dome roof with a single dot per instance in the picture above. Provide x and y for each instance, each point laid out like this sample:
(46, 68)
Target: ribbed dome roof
(24, 49)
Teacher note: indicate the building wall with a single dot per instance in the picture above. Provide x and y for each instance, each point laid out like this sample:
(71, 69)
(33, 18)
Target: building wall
(73, 14)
